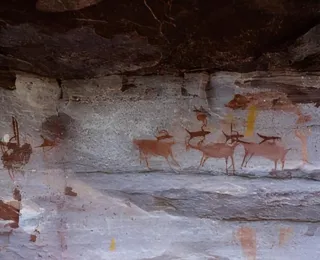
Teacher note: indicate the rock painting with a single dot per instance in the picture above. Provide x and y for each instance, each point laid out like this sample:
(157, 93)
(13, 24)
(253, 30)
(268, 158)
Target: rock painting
(215, 150)
(15, 156)
(112, 246)
(10, 211)
(248, 242)
(269, 150)
(267, 100)
(159, 147)
(47, 143)
(202, 133)
(303, 136)
(202, 115)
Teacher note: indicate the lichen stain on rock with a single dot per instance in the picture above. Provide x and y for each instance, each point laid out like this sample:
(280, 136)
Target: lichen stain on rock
(284, 235)
(247, 238)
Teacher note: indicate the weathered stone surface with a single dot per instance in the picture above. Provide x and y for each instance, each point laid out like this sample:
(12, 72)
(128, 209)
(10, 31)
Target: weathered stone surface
(100, 56)
(83, 226)
(217, 198)
(63, 5)
(173, 37)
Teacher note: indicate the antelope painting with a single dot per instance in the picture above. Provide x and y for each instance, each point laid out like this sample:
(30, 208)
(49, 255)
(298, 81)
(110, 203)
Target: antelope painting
(215, 150)
(148, 148)
(271, 151)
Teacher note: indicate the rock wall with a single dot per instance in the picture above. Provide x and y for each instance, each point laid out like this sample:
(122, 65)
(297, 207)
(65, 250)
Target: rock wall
(70, 209)
(96, 120)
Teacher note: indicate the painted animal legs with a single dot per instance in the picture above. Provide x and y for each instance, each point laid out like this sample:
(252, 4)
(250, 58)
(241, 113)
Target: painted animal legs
(174, 160)
(204, 160)
(244, 158)
(233, 167)
(227, 165)
(248, 159)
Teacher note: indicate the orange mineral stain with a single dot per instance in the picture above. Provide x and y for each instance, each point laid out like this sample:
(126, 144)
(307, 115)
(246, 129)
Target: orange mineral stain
(247, 238)
(112, 246)
(284, 235)
(251, 120)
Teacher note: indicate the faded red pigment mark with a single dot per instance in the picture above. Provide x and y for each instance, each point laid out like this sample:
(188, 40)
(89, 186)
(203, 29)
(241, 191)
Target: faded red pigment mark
(33, 237)
(148, 148)
(284, 235)
(248, 241)
(303, 136)
(50, 144)
(15, 156)
(69, 192)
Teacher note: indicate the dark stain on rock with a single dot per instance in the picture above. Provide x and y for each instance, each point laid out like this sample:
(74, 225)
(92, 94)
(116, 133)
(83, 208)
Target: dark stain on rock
(128, 86)
(69, 192)
(57, 126)
(16, 194)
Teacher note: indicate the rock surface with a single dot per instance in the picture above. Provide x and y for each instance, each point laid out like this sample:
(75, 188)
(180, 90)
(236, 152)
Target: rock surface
(105, 210)
(90, 198)
(88, 38)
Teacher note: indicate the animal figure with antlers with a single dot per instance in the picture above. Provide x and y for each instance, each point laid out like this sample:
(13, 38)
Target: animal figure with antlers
(15, 156)
(268, 138)
(202, 115)
(269, 150)
(195, 134)
(216, 150)
(163, 134)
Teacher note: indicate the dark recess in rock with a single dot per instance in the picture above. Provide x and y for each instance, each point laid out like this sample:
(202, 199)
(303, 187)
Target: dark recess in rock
(7, 79)
(156, 37)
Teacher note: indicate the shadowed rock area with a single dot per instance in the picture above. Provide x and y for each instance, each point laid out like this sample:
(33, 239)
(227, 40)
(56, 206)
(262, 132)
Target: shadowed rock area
(80, 39)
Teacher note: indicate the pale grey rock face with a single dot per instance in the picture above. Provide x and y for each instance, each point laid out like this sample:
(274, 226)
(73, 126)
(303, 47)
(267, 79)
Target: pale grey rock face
(119, 209)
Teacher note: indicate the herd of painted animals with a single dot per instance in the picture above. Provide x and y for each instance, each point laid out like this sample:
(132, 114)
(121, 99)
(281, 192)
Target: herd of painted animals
(15, 155)
(270, 147)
